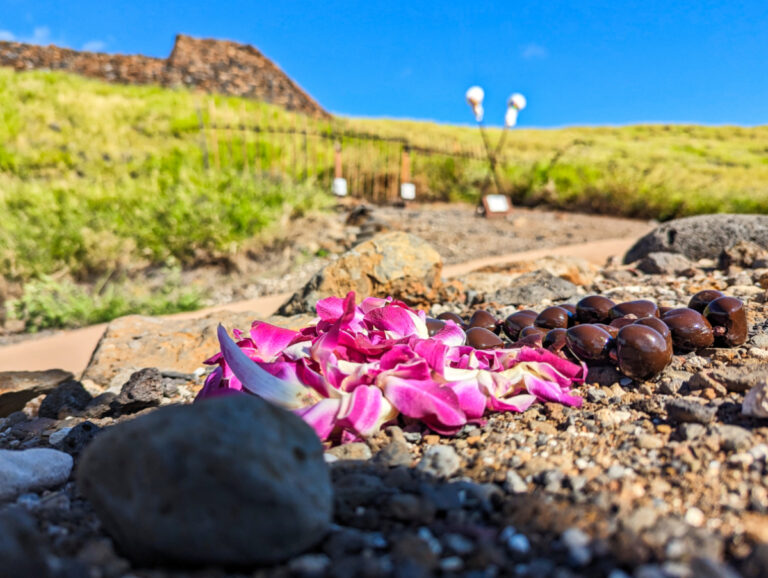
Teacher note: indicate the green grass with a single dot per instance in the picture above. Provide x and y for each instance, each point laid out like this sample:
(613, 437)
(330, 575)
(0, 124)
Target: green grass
(101, 181)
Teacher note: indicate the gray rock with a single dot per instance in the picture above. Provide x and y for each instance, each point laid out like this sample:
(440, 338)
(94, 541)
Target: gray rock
(755, 403)
(18, 387)
(734, 438)
(686, 410)
(68, 398)
(741, 379)
(701, 237)
(76, 438)
(144, 389)
(32, 470)
(691, 431)
(514, 484)
(663, 263)
(232, 480)
(535, 287)
(351, 451)
(440, 461)
(22, 548)
(395, 453)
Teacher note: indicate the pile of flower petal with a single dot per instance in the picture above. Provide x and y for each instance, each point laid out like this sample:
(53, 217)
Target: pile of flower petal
(362, 366)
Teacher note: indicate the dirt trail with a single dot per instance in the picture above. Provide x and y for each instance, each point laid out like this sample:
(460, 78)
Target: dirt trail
(71, 350)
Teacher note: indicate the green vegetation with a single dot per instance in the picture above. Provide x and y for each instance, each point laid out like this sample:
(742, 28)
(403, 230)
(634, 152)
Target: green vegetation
(100, 181)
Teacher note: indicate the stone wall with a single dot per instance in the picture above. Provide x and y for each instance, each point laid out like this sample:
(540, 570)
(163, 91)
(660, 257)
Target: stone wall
(213, 66)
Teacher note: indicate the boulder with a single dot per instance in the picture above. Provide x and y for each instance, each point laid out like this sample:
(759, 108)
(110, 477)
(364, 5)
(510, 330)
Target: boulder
(135, 342)
(388, 264)
(228, 481)
(18, 387)
(701, 237)
(23, 548)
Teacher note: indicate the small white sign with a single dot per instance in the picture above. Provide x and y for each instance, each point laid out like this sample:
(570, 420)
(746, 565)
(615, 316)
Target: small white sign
(408, 191)
(340, 187)
(497, 203)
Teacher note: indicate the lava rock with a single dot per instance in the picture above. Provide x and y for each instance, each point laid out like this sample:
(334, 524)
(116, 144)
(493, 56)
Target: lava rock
(756, 401)
(688, 411)
(144, 389)
(68, 398)
(32, 470)
(78, 437)
(232, 481)
(701, 237)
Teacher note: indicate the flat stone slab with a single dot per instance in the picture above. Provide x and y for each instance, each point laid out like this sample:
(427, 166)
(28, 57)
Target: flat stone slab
(18, 387)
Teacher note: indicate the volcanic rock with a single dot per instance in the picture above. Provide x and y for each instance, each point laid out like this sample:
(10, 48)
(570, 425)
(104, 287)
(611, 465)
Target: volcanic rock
(534, 288)
(230, 481)
(701, 237)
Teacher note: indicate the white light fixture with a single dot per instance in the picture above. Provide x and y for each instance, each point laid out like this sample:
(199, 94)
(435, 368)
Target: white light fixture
(475, 96)
(515, 104)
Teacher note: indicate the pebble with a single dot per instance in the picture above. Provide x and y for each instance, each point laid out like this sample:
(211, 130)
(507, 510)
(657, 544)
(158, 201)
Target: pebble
(31, 470)
(734, 438)
(56, 437)
(351, 451)
(691, 431)
(196, 483)
(689, 411)
(441, 461)
(612, 417)
(756, 401)
(514, 484)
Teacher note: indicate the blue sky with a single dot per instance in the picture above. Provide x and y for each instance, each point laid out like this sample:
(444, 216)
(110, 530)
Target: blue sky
(578, 63)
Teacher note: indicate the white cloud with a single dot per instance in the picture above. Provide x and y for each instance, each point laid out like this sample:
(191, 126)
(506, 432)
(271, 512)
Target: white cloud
(7, 36)
(40, 35)
(534, 51)
(94, 46)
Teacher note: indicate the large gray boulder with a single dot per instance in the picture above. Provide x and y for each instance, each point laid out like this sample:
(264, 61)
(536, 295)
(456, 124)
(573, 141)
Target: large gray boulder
(227, 481)
(701, 237)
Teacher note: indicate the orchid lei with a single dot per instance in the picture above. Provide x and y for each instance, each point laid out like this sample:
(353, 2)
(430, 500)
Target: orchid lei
(360, 366)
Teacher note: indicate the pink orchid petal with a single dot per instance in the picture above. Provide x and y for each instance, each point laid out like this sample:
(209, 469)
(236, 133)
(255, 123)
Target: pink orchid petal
(472, 400)
(256, 380)
(549, 391)
(270, 340)
(517, 403)
(565, 368)
(434, 352)
(330, 308)
(365, 411)
(398, 321)
(321, 416)
(437, 406)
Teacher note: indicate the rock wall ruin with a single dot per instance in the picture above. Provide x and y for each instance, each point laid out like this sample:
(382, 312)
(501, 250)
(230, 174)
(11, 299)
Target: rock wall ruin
(208, 65)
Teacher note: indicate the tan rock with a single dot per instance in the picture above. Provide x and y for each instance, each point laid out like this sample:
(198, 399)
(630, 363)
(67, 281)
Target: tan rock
(18, 387)
(135, 342)
(396, 264)
(756, 401)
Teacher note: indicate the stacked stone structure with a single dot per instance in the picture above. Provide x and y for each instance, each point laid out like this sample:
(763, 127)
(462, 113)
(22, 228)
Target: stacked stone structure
(209, 65)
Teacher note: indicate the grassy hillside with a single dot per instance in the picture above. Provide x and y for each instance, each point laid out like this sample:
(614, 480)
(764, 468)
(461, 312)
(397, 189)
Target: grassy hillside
(98, 181)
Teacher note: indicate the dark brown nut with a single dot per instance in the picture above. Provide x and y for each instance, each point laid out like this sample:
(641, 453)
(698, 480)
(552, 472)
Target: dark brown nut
(482, 318)
(594, 309)
(700, 301)
(589, 343)
(640, 308)
(532, 330)
(448, 316)
(552, 318)
(690, 329)
(623, 321)
(554, 340)
(658, 325)
(612, 329)
(531, 340)
(642, 351)
(434, 326)
(729, 321)
(515, 322)
(481, 338)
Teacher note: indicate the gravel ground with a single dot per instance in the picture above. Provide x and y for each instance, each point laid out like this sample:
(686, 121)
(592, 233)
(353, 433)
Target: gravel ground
(658, 478)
